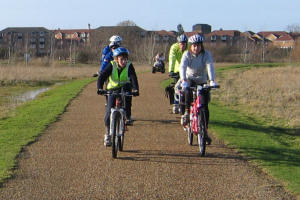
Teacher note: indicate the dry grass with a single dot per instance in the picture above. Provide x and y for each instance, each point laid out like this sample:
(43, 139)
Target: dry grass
(268, 92)
(13, 74)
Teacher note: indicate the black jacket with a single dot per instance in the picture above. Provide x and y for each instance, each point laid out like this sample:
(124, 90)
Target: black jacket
(104, 75)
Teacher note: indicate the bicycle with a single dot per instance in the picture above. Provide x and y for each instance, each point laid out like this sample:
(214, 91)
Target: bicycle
(117, 120)
(197, 119)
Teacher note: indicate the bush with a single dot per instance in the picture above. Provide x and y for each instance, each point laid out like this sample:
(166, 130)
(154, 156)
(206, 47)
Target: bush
(83, 57)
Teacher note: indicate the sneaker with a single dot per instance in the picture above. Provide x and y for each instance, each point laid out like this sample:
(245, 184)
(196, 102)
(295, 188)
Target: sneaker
(208, 140)
(175, 109)
(184, 119)
(129, 122)
(107, 140)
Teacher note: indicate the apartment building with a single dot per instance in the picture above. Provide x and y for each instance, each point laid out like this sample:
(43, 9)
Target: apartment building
(35, 41)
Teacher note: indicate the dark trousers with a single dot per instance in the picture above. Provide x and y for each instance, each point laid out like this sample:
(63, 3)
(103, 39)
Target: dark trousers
(110, 104)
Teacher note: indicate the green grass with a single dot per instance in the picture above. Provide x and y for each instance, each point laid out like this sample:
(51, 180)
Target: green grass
(272, 148)
(30, 120)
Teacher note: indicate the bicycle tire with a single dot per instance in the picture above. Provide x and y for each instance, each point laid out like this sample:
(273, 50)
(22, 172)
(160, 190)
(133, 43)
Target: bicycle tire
(190, 134)
(201, 134)
(115, 143)
(121, 139)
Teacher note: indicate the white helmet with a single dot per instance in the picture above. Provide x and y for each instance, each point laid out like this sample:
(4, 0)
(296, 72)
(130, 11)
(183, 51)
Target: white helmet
(195, 39)
(115, 38)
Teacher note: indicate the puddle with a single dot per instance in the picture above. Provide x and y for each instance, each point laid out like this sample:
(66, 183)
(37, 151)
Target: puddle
(30, 95)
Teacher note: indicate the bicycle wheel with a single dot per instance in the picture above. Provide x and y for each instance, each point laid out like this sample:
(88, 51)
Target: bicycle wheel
(121, 137)
(201, 134)
(190, 134)
(115, 140)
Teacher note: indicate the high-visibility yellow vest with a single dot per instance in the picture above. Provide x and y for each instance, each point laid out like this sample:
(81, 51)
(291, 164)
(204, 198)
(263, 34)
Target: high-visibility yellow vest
(115, 81)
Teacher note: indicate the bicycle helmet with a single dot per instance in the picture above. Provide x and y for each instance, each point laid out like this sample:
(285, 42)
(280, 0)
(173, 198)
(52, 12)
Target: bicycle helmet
(182, 38)
(114, 45)
(115, 38)
(194, 39)
(120, 51)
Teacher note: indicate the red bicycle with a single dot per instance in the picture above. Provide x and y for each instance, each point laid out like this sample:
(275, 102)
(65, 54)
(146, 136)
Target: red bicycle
(197, 120)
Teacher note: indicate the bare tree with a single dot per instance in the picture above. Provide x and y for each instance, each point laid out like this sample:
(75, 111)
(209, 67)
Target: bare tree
(126, 23)
(293, 28)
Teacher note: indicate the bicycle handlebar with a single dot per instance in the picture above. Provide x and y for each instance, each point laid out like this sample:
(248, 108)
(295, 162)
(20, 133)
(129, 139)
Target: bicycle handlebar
(206, 87)
(109, 92)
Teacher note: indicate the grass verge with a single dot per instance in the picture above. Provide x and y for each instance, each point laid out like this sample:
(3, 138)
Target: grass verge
(30, 120)
(272, 148)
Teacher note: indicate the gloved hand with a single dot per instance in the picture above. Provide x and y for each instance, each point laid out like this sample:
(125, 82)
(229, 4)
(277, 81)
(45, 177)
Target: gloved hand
(135, 93)
(171, 74)
(212, 83)
(184, 85)
(101, 91)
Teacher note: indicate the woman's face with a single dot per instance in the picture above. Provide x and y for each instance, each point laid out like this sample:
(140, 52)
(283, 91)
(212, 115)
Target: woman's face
(122, 61)
(182, 46)
(196, 48)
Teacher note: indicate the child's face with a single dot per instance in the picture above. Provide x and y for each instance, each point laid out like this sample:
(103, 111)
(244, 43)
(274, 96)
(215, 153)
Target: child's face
(195, 48)
(122, 61)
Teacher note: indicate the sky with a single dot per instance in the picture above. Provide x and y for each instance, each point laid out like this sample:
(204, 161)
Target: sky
(242, 15)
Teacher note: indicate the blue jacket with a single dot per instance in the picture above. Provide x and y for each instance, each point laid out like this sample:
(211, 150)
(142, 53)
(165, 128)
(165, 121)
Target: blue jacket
(106, 57)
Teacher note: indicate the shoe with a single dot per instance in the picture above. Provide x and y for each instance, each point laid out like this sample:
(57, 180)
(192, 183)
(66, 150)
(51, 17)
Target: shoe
(107, 140)
(129, 121)
(208, 140)
(184, 119)
(175, 109)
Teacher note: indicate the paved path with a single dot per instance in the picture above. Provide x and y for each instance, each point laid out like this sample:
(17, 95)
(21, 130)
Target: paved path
(70, 162)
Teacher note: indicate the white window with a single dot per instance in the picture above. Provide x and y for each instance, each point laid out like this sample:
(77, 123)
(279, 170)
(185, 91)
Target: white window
(42, 46)
(223, 37)
(42, 33)
(213, 38)
(32, 46)
(42, 39)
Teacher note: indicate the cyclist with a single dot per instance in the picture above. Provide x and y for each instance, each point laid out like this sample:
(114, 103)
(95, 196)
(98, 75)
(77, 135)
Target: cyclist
(159, 60)
(107, 53)
(175, 54)
(119, 73)
(196, 67)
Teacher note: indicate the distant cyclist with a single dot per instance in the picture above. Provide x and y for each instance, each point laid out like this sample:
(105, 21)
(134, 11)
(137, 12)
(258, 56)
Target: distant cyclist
(196, 68)
(175, 54)
(119, 73)
(107, 53)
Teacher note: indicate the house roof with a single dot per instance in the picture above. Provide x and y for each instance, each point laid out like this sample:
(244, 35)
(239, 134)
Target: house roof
(224, 32)
(119, 28)
(71, 31)
(24, 29)
(165, 33)
(280, 35)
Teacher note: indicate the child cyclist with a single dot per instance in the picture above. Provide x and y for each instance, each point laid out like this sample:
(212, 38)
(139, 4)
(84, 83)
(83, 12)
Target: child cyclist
(120, 73)
(196, 67)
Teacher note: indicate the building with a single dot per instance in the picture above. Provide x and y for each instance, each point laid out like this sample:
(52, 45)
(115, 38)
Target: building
(65, 37)
(35, 41)
(202, 28)
(279, 39)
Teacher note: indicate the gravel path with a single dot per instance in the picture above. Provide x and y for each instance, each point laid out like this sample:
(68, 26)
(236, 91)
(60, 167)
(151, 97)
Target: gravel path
(69, 160)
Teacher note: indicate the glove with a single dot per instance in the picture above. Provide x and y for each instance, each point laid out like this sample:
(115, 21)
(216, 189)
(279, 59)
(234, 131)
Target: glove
(212, 83)
(171, 74)
(135, 93)
(101, 91)
(184, 85)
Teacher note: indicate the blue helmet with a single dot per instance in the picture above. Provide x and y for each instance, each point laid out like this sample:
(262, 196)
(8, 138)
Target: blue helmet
(120, 51)
(182, 38)
(194, 39)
